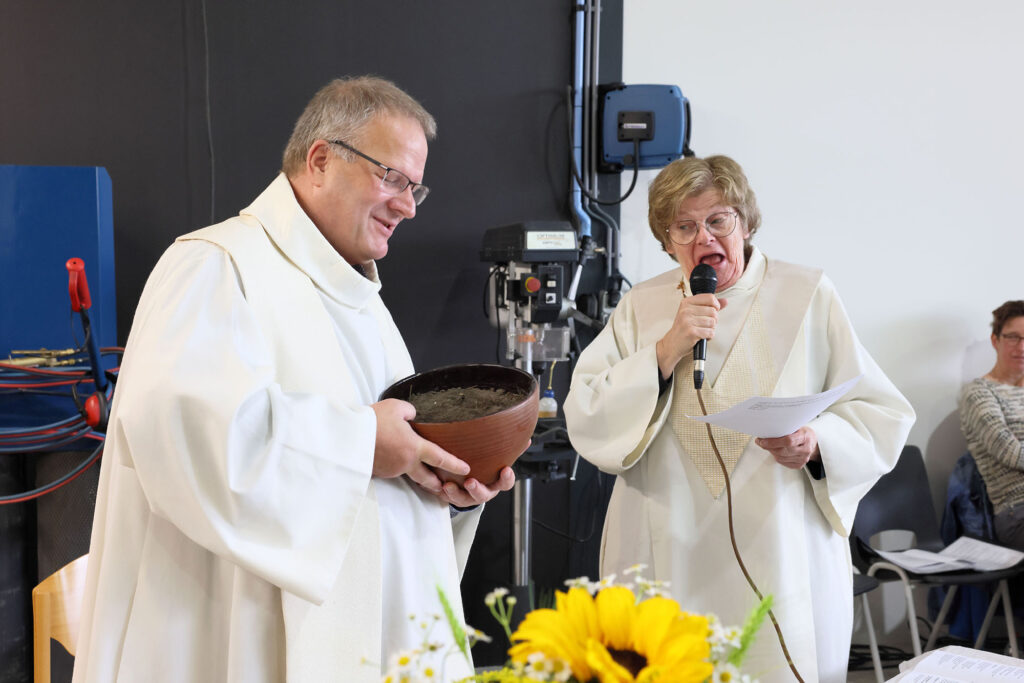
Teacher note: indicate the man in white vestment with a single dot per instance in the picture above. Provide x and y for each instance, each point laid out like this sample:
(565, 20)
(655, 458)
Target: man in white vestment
(261, 516)
(774, 329)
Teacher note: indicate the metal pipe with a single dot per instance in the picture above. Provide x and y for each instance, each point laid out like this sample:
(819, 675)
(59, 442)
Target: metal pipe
(612, 243)
(522, 517)
(575, 195)
(595, 24)
(588, 37)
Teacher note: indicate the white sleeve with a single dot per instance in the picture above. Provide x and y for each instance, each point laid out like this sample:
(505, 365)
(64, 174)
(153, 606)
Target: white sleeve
(613, 409)
(861, 435)
(270, 480)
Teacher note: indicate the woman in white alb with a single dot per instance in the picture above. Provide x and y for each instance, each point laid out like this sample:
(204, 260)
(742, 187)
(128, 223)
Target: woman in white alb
(774, 329)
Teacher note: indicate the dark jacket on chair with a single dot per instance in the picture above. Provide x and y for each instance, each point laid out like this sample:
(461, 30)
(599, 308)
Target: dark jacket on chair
(968, 512)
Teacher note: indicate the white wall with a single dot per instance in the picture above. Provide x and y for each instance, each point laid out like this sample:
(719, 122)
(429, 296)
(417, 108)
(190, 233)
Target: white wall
(883, 141)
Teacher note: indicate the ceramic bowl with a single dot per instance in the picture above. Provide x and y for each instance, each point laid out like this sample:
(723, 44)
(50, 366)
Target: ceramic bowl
(489, 442)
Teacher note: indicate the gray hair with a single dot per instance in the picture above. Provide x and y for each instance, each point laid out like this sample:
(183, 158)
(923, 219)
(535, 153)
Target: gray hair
(342, 109)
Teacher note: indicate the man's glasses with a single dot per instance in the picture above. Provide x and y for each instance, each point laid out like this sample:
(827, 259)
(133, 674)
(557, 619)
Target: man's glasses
(719, 224)
(1011, 339)
(394, 181)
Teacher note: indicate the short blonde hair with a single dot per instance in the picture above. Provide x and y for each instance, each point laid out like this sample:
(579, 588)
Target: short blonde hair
(689, 177)
(342, 109)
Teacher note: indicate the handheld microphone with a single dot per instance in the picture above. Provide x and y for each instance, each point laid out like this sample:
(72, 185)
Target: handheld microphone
(703, 280)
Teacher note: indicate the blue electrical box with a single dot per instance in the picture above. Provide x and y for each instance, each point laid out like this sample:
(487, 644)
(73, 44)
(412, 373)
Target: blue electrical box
(49, 214)
(653, 118)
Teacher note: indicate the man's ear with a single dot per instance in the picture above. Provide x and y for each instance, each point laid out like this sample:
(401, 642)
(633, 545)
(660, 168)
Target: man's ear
(317, 159)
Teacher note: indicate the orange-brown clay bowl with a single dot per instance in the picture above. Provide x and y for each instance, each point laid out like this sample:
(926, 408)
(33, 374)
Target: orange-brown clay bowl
(486, 442)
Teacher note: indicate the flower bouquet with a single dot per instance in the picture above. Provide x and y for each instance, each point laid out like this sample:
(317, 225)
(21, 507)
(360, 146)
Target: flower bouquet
(603, 632)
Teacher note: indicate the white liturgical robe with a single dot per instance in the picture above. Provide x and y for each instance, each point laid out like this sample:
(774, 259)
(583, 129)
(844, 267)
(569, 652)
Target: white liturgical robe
(239, 535)
(784, 332)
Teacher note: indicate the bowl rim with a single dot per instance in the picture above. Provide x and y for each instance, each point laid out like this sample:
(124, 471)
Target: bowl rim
(531, 392)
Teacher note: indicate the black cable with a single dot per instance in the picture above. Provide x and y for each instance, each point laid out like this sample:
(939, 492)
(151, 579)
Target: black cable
(209, 115)
(593, 519)
(497, 345)
(487, 284)
(576, 173)
(889, 657)
(565, 535)
(576, 339)
(632, 184)
(497, 317)
(37, 392)
(81, 348)
(612, 237)
(496, 270)
(57, 483)
(42, 446)
(79, 404)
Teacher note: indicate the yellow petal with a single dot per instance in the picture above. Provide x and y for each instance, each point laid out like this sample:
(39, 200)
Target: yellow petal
(603, 666)
(691, 672)
(551, 632)
(654, 619)
(543, 626)
(582, 614)
(686, 640)
(616, 609)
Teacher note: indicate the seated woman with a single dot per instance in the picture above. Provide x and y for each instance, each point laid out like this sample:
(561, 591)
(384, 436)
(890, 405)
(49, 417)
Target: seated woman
(992, 419)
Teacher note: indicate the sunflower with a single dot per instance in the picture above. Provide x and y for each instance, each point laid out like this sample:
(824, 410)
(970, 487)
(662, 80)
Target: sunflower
(614, 639)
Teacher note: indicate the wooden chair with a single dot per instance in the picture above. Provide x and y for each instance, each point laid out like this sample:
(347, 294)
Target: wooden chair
(56, 606)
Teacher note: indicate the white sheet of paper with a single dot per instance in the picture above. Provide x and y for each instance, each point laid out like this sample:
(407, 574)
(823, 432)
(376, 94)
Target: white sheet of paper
(924, 562)
(963, 553)
(962, 665)
(919, 677)
(985, 557)
(768, 417)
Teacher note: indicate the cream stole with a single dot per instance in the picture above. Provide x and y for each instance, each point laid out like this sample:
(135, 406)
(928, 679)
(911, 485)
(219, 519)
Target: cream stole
(752, 368)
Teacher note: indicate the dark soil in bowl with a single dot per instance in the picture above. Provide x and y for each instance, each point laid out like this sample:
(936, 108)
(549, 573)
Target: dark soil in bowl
(462, 403)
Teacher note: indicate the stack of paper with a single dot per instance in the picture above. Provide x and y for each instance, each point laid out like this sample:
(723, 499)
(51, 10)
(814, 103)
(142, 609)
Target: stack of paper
(953, 664)
(962, 554)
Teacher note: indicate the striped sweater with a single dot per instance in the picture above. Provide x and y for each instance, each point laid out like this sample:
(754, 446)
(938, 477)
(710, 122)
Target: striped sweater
(992, 419)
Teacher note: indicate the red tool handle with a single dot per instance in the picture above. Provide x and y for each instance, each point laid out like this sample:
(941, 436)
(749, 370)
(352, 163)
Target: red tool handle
(78, 288)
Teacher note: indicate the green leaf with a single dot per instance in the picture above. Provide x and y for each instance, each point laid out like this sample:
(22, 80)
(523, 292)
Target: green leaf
(458, 631)
(750, 629)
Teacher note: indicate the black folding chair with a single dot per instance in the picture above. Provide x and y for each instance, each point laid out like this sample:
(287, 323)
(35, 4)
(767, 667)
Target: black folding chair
(901, 501)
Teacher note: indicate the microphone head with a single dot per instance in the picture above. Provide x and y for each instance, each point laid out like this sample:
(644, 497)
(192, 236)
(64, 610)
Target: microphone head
(703, 279)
